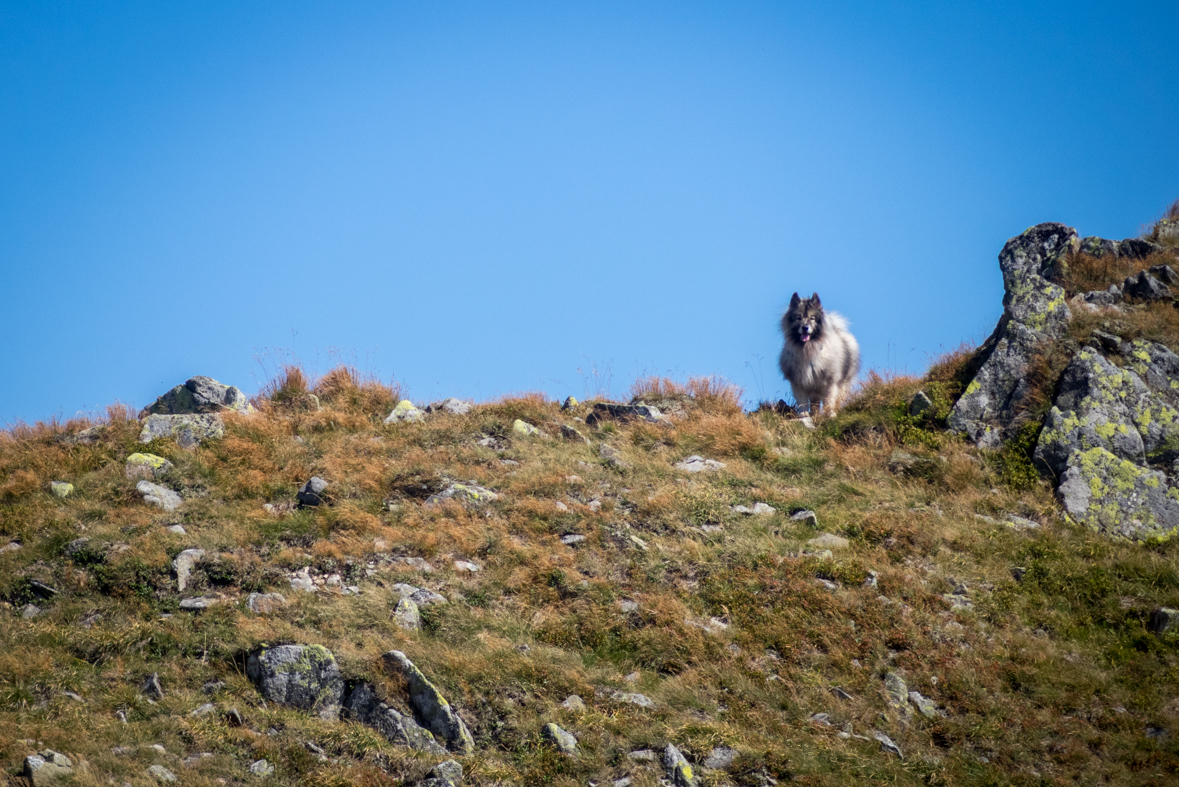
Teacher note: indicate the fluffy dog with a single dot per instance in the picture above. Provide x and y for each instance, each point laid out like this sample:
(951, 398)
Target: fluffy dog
(819, 356)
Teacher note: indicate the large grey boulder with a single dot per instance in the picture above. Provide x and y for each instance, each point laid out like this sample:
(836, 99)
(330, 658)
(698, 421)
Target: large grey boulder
(199, 395)
(366, 707)
(430, 706)
(303, 676)
(158, 496)
(1034, 311)
(48, 767)
(188, 430)
(1117, 497)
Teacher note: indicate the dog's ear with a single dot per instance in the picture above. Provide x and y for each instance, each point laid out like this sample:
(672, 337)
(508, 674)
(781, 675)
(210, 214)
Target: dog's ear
(815, 299)
(795, 300)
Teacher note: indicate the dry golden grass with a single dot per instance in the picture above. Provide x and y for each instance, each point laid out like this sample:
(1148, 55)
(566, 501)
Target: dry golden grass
(1084, 273)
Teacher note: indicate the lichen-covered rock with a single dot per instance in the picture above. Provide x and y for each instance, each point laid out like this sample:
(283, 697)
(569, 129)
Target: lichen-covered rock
(467, 494)
(48, 767)
(405, 412)
(562, 739)
(698, 464)
(188, 430)
(303, 676)
(430, 706)
(1156, 365)
(146, 466)
(897, 693)
(200, 395)
(159, 496)
(526, 429)
(1117, 497)
(61, 488)
(365, 706)
(406, 615)
(1034, 310)
(679, 772)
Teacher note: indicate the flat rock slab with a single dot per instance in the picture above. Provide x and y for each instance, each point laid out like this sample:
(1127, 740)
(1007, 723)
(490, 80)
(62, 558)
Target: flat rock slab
(188, 430)
(828, 541)
(303, 676)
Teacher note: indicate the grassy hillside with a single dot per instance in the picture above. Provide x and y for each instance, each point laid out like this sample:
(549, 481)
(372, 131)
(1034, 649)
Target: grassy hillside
(958, 575)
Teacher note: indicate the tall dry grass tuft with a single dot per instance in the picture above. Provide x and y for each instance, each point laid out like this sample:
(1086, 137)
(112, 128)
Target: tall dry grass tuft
(877, 391)
(709, 394)
(1165, 231)
(343, 388)
(1084, 272)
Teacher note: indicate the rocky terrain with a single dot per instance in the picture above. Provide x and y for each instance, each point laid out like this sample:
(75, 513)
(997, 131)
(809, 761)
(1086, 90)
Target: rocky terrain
(964, 578)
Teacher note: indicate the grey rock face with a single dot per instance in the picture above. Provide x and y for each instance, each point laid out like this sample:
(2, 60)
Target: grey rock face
(199, 395)
(897, 693)
(1117, 497)
(161, 774)
(48, 767)
(720, 758)
(183, 565)
(920, 403)
(265, 603)
(429, 705)
(158, 496)
(188, 430)
(572, 435)
(452, 406)
(563, 740)
(623, 412)
(679, 772)
(406, 615)
(1034, 310)
(303, 676)
(312, 493)
(1146, 287)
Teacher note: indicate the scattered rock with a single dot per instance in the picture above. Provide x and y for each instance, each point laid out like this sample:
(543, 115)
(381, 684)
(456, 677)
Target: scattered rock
(198, 603)
(906, 464)
(887, 745)
(183, 566)
(430, 705)
(641, 700)
(199, 395)
(366, 707)
(405, 412)
(1021, 523)
(806, 517)
(188, 431)
(643, 755)
(697, 464)
(415, 563)
(451, 406)
(679, 772)
(720, 758)
(564, 741)
(61, 488)
(450, 770)
(303, 676)
(419, 596)
(265, 603)
(176, 530)
(841, 694)
(468, 566)
(925, 706)
(897, 693)
(573, 703)
(1146, 287)
(151, 687)
(759, 509)
(569, 403)
(526, 429)
(920, 403)
(406, 615)
(233, 717)
(261, 768)
(572, 539)
(467, 494)
(623, 412)
(48, 767)
(203, 710)
(158, 496)
(612, 457)
(160, 773)
(146, 466)
(1163, 620)
(312, 493)
(572, 435)
(301, 581)
(828, 541)
(11, 546)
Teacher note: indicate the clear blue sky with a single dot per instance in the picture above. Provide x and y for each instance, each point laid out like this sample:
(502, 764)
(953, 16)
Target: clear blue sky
(481, 198)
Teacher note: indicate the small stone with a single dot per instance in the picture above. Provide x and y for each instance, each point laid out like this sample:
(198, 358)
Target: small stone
(450, 770)
(809, 518)
(612, 457)
(405, 412)
(641, 700)
(638, 542)
(573, 703)
(29, 611)
(679, 772)
(572, 539)
(1163, 619)
(261, 768)
(827, 584)
(61, 488)
(643, 755)
(625, 781)
(466, 565)
(176, 530)
(624, 412)
(1018, 573)
(698, 464)
(469, 495)
(569, 403)
(415, 563)
(924, 705)
(11, 546)
(233, 717)
(203, 710)
(628, 606)
(198, 603)
(887, 745)
(828, 541)
(563, 740)
(897, 692)
(561, 506)
(265, 603)
(450, 406)
(406, 615)
(872, 579)
(822, 719)
(151, 688)
(147, 466)
(184, 564)
(920, 403)
(1020, 523)
(841, 694)
(158, 496)
(572, 435)
(719, 758)
(526, 429)
(47, 767)
(302, 582)
(161, 774)
(312, 493)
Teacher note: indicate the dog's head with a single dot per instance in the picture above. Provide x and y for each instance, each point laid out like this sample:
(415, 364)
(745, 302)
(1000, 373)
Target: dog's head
(803, 322)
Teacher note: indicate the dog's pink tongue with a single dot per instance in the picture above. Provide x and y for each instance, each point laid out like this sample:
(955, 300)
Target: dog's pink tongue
(806, 337)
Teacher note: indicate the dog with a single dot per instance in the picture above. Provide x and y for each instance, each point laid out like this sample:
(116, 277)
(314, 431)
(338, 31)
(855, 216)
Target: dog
(820, 358)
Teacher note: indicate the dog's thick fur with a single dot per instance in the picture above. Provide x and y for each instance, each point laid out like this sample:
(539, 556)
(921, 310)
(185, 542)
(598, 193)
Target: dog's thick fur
(819, 356)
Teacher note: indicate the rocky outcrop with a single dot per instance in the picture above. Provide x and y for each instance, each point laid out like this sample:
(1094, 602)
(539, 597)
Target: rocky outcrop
(199, 395)
(1118, 497)
(188, 430)
(303, 676)
(365, 706)
(430, 706)
(1034, 311)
